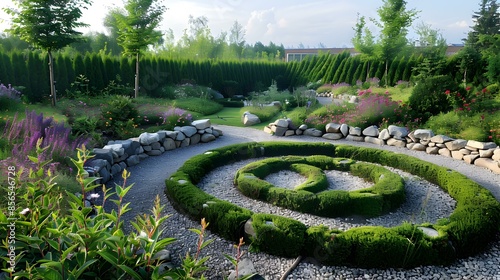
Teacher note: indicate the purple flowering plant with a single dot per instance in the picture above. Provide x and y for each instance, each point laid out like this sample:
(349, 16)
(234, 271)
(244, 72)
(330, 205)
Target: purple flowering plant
(173, 117)
(10, 92)
(23, 135)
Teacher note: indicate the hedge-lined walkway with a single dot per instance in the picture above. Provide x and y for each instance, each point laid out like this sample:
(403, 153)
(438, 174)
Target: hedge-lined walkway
(149, 178)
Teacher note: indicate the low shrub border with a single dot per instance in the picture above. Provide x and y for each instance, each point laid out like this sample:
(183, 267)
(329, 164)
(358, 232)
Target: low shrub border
(386, 194)
(468, 230)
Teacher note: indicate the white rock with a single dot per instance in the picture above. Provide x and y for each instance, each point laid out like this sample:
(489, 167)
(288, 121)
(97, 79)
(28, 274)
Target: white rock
(423, 134)
(202, 124)
(332, 128)
(147, 138)
(371, 131)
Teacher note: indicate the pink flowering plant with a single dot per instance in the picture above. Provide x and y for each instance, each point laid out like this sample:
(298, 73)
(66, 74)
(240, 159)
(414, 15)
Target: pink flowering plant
(372, 109)
(175, 117)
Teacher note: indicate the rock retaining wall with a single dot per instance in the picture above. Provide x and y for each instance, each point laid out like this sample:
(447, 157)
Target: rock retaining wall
(483, 154)
(117, 155)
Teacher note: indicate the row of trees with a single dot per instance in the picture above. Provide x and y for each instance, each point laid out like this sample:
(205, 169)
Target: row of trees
(51, 26)
(482, 46)
(390, 58)
(229, 76)
(94, 72)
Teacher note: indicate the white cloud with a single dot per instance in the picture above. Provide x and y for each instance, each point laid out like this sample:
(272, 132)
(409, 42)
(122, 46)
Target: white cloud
(459, 24)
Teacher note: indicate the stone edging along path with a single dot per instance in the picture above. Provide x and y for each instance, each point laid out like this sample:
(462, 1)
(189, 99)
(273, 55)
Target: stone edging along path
(118, 155)
(483, 154)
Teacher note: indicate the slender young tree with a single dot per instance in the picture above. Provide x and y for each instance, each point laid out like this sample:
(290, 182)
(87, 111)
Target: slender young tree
(394, 22)
(137, 25)
(49, 25)
(364, 42)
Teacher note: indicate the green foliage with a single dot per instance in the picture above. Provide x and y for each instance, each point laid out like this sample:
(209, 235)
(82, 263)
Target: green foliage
(474, 126)
(265, 113)
(136, 26)
(278, 235)
(386, 194)
(198, 105)
(427, 98)
(119, 118)
(88, 126)
(466, 232)
(82, 242)
(226, 219)
(230, 103)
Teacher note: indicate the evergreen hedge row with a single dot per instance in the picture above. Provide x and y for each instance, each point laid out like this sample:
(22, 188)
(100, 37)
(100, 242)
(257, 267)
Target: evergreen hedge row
(29, 69)
(468, 230)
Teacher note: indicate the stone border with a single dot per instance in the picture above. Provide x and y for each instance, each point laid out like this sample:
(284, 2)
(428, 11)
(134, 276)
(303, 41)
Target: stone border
(117, 155)
(483, 154)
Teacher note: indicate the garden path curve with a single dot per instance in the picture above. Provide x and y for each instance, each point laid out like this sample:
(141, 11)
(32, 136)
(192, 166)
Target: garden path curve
(149, 180)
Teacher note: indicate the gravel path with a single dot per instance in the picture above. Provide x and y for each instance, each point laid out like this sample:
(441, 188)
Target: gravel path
(150, 174)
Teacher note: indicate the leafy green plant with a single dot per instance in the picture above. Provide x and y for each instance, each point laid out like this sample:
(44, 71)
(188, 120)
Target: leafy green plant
(79, 88)
(119, 118)
(427, 98)
(236, 260)
(86, 242)
(193, 267)
(88, 126)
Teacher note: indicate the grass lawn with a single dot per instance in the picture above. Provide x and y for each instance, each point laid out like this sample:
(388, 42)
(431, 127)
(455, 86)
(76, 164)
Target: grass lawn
(46, 109)
(232, 117)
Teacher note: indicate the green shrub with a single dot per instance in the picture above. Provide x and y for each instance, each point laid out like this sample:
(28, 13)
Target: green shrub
(186, 197)
(81, 241)
(334, 204)
(473, 133)
(494, 89)
(468, 230)
(428, 97)
(324, 245)
(444, 123)
(230, 103)
(226, 219)
(120, 118)
(316, 179)
(277, 235)
(386, 194)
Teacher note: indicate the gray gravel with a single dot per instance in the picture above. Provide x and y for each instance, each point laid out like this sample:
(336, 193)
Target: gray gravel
(150, 174)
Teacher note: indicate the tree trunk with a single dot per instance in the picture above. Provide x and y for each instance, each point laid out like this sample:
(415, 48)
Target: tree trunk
(465, 78)
(386, 72)
(52, 82)
(136, 89)
(367, 71)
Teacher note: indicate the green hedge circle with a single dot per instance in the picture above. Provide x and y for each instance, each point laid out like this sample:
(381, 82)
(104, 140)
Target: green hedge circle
(311, 197)
(470, 228)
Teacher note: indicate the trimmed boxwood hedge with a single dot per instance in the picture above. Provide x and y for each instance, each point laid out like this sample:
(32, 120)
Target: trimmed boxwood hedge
(386, 194)
(468, 230)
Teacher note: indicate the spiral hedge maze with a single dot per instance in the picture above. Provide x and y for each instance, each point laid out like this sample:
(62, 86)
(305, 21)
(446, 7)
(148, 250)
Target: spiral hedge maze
(311, 197)
(468, 231)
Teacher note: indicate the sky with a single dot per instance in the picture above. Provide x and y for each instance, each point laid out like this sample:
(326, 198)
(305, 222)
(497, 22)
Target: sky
(294, 23)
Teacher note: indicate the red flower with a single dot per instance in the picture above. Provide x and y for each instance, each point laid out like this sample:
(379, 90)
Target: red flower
(467, 88)
(447, 92)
